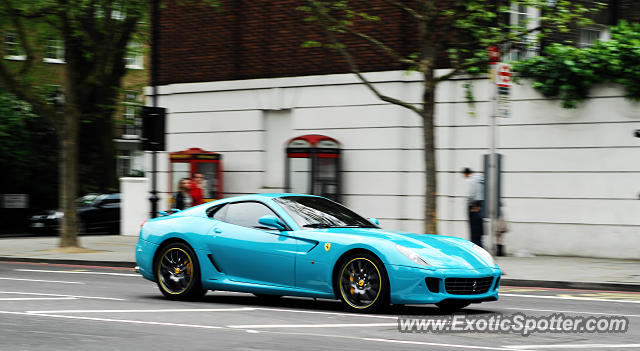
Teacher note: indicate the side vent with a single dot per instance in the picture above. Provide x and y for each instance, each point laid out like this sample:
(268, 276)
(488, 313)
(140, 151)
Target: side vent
(214, 263)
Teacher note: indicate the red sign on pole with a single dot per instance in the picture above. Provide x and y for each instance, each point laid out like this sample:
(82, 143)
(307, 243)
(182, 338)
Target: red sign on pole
(504, 75)
(494, 54)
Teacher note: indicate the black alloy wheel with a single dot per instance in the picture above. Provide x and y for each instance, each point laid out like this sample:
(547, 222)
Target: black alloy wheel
(362, 283)
(178, 273)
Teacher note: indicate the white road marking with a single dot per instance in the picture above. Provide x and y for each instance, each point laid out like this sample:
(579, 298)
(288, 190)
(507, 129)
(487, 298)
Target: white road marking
(457, 346)
(435, 344)
(332, 325)
(116, 320)
(568, 298)
(329, 313)
(41, 281)
(57, 295)
(577, 312)
(152, 311)
(572, 346)
(35, 298)
(78, 272)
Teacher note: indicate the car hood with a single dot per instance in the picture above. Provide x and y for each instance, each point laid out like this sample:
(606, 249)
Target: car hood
(438, 250)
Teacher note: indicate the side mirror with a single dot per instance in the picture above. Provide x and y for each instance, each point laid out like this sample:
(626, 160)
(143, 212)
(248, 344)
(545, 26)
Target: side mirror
(374, 221)
(272, 222)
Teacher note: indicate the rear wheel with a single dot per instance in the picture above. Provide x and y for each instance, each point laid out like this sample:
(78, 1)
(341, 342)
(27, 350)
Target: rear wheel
(362, 283)
(178, 273)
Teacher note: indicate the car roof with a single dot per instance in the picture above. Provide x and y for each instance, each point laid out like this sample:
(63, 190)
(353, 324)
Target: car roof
(262, 196)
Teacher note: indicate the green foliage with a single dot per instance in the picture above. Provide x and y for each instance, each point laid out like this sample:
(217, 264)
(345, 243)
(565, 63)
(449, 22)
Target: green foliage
(568, 72)
(27, 153)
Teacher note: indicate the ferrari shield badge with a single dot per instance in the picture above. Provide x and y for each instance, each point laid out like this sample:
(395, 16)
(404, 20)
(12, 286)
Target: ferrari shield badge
(327, 247)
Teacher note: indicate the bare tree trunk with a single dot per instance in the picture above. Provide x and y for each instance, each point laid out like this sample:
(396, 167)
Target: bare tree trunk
(68, 177)
(428, 101)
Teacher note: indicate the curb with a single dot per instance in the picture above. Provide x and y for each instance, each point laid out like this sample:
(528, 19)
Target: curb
(571, 285)
(70, 262)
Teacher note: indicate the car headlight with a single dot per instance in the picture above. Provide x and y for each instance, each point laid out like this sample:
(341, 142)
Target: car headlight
(485, 255)
(412, 255)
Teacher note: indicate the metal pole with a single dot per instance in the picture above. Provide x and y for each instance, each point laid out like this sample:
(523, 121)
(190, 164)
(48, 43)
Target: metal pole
(154, 101)
(491, 182)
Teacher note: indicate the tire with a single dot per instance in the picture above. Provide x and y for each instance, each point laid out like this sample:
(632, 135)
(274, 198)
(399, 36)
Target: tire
(362, 284)
(177, 272)
(450, 306)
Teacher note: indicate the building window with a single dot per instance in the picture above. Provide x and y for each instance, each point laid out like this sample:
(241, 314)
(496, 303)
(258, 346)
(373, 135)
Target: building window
(131, 107)
(523, 19)
(134, 58)
(13, 51)
(589, 35)
(55, 51)
(125, 160)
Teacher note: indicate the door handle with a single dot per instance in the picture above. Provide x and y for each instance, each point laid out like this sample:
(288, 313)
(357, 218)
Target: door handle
(217, 230)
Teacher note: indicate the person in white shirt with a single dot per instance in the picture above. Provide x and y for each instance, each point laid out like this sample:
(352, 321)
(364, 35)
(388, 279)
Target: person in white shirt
(475, 204)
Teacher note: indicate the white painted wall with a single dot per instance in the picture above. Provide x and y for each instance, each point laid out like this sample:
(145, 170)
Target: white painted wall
(571, 181)
(134, 204)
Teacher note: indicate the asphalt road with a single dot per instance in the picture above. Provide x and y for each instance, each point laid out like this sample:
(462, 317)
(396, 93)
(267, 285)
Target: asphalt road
(63, 307)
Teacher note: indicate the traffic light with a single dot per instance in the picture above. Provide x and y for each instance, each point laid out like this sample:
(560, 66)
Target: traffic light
(153, 124)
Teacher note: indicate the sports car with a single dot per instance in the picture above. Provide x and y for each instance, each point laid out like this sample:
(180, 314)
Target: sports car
(274, 245)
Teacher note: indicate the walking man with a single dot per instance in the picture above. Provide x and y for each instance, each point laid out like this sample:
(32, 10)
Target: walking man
(475, 204)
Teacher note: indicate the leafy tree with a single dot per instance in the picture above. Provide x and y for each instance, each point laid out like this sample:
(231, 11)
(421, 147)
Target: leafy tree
(95, 34)
(453, 34)
(27, 147)
(569, 72)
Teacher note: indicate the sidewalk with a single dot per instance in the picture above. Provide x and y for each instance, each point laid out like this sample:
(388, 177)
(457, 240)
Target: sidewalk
(541, 271)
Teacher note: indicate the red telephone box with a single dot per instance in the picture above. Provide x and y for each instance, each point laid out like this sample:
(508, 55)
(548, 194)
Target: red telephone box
(313, 166)
(183, 164)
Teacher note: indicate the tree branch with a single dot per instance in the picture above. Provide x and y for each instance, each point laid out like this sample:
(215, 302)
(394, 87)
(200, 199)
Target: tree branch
(335, 23)
(406, 8)
(353, 66)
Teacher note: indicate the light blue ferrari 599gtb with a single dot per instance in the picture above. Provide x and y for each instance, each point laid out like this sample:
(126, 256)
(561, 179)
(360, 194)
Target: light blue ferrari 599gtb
(275, 245)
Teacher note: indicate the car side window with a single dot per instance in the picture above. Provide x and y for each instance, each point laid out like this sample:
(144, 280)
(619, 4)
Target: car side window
(246, 214)
(219, 213)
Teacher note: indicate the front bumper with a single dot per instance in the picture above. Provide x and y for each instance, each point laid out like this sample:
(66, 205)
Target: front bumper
(408, 284)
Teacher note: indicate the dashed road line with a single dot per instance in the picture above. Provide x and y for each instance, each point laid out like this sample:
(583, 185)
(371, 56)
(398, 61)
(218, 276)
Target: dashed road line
(322, 325)
(58, 295)
(568, 298)
(36, 298)
(576, 312)
(572, 346)
(239, 309)
(77, 272)
(40, 280)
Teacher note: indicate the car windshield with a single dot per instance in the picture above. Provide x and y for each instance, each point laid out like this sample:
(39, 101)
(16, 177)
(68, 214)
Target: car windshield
(317, 212)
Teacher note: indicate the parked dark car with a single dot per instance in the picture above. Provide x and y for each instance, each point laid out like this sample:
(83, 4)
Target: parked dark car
(97, 213)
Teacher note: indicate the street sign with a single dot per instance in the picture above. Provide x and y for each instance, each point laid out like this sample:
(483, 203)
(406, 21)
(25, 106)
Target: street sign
(503, 80)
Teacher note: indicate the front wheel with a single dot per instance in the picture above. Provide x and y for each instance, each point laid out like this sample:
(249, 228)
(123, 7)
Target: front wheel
(362, 283)
(178, 273)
